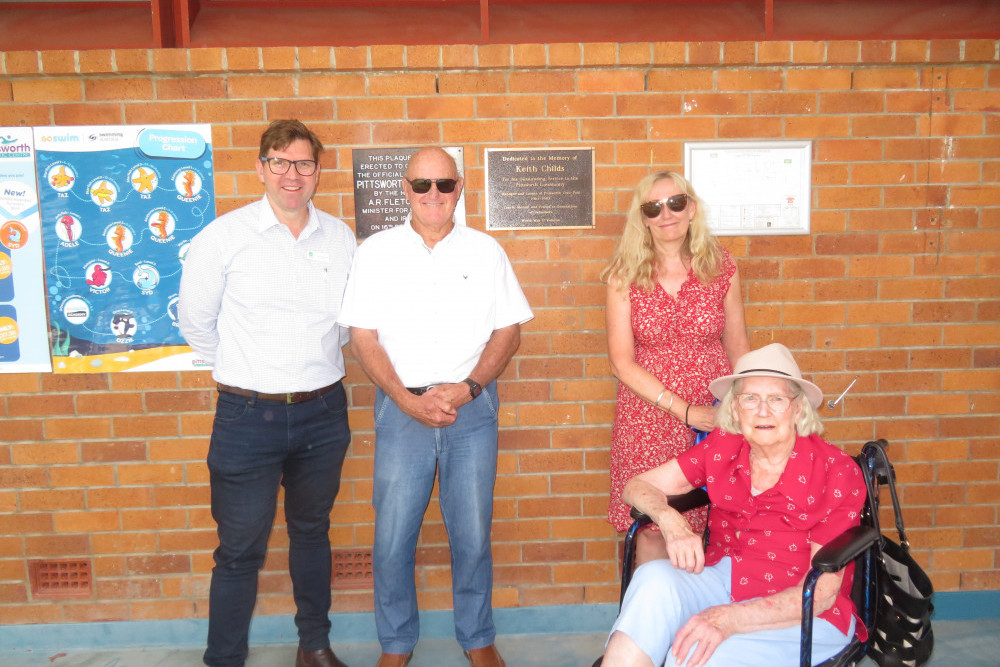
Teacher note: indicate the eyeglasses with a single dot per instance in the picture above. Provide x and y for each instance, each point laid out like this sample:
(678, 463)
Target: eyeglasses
(423, 185)
(652, 209)
(279, 166)
(776, 402)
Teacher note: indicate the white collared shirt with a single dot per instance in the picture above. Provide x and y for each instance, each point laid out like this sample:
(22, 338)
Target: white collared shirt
(261, 305)
(434, 309)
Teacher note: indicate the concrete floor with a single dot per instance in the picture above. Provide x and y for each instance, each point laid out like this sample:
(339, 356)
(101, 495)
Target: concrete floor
(967, 643)
(518, 651)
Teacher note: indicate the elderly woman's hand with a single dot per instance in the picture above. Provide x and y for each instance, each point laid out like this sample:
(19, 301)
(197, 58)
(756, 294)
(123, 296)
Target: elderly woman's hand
(685, 548)
(703, 632)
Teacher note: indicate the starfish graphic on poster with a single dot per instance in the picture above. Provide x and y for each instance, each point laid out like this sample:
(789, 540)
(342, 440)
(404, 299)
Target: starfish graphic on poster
(119, 205)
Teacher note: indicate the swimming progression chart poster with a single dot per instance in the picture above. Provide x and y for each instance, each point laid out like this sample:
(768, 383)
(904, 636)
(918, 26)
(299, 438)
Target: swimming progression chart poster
(119, 206)
(23, 340)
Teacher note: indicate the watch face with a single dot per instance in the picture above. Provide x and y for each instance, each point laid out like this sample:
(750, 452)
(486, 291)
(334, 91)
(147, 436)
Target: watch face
(474, 388)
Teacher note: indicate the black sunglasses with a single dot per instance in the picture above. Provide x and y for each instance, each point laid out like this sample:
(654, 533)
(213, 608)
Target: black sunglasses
(652, 209)
(423, 185)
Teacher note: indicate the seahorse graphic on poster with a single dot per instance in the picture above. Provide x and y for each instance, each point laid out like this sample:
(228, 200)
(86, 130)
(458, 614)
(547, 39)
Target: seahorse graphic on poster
(119, 206)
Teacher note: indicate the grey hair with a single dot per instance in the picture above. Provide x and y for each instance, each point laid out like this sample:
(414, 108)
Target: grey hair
(808, 422)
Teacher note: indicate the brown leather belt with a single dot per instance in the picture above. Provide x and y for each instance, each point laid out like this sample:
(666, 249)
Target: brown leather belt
(291, 397)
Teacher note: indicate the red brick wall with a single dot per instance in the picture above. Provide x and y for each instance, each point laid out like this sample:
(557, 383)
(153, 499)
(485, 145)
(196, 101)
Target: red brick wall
(897, 284)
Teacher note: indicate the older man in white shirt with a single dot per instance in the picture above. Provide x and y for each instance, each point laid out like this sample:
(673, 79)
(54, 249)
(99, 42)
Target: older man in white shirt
(259, 300)
(435, 313)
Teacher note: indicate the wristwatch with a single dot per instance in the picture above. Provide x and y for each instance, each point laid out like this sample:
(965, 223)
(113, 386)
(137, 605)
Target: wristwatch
(474, 389)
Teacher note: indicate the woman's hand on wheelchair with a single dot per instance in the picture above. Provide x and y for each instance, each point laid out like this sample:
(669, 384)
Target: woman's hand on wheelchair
(701, 417)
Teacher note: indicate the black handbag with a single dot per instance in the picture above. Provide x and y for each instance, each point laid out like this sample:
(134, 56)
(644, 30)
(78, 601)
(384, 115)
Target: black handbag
(902, 636)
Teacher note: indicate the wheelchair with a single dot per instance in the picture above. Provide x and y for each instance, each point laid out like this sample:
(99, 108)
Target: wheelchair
(859, 544)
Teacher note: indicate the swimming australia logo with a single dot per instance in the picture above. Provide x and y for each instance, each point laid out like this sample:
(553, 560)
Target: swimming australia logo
(106, 136)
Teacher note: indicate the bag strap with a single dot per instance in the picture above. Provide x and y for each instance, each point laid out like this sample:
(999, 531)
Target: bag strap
(874, 453)
(898, 628)
(889, 654)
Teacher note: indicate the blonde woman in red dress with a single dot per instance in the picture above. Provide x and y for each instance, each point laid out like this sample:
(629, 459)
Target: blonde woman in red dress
(675, 322)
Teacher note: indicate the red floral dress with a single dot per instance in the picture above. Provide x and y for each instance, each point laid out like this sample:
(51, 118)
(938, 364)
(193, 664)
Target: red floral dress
(680, 342)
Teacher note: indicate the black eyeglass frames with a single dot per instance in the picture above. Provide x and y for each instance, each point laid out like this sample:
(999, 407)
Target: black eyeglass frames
(279, 165)
(423, 185)
(677, 203)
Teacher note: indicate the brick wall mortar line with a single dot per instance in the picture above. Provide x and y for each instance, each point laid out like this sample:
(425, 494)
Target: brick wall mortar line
(893, 58)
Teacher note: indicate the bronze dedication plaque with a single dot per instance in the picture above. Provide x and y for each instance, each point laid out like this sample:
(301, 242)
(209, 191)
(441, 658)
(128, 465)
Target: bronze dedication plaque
(533, 188)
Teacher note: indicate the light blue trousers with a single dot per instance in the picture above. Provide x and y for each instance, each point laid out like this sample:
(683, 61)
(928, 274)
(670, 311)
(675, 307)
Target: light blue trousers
(407, 457)
(660, 599)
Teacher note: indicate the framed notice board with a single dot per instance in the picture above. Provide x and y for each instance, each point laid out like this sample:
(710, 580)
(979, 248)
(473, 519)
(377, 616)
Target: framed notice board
(752, 187)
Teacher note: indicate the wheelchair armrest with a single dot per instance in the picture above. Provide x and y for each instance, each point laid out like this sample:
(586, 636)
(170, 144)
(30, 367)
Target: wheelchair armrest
(639, 517)
(693, 499)
(833, 557)
(841, 550)
(682, 503)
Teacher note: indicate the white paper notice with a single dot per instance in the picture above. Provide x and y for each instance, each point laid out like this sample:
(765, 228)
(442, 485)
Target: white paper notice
(752, 188)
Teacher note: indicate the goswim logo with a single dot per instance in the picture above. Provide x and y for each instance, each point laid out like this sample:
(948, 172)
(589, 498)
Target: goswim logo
(60, 138)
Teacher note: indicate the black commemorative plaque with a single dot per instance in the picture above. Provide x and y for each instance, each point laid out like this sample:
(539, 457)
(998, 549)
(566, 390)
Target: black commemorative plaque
(378, 188)
(532, 188)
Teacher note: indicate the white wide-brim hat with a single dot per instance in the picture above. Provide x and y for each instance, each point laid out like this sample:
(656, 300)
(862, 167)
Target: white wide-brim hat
(770, 361)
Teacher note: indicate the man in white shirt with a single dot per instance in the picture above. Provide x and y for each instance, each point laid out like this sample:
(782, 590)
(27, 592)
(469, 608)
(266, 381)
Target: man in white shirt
(259, 300)
(435, 313)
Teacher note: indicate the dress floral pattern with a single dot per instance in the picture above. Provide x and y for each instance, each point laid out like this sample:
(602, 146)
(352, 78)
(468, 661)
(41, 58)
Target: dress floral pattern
(679, 341)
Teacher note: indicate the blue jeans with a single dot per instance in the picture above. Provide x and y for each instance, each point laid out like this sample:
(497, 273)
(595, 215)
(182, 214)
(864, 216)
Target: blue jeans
(257, 445)
(407, 454)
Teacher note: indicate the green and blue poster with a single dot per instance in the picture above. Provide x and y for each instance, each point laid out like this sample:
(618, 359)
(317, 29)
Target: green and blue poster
(23, 339)
(119, 206)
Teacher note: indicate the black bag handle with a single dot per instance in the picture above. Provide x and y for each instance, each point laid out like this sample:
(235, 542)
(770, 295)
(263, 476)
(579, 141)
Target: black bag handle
(873, 450)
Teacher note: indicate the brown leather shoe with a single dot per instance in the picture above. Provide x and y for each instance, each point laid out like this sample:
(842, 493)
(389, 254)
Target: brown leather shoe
(394, 660)
(488, 656)
(324, 657)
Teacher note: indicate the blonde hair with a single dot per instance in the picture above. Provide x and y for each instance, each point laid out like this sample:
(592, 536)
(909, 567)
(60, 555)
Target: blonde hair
(634, 261)
(808, 422)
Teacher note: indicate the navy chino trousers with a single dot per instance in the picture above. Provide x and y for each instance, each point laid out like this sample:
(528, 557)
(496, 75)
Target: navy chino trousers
(256, 446)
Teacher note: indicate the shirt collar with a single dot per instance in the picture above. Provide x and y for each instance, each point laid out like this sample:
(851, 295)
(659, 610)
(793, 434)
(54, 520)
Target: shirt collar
(268, 219)
(794, 481)
(416, 238)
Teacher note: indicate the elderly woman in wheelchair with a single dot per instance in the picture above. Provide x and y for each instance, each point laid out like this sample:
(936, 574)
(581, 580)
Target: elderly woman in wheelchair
(778, 493)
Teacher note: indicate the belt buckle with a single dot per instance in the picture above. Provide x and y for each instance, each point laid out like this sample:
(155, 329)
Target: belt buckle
(288, 398)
